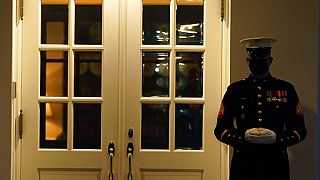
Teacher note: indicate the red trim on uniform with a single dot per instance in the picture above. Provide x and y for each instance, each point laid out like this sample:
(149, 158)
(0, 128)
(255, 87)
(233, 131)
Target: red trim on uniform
(221, 111)
(299, 110)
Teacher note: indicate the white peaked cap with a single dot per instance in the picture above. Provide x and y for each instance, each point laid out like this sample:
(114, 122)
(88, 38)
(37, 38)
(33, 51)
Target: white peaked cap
(258, 42)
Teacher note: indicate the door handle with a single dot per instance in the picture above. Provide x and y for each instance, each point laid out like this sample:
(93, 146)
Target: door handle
(111, 150)
(130, 149)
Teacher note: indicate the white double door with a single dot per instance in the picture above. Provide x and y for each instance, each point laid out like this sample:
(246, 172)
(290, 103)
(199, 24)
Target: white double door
(70, 119)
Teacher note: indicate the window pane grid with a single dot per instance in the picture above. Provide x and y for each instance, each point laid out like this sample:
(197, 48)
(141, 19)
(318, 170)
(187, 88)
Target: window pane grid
(187, 40)
(58, 32)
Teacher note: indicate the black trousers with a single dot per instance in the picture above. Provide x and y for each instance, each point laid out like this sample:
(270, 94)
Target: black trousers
(259, 164)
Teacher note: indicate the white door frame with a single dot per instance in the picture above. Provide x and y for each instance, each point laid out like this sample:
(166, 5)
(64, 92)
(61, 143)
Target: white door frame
(225, 80)
(17, 28)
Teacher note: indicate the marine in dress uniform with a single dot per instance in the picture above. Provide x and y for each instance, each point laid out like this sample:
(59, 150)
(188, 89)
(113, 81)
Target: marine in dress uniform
(260, 117)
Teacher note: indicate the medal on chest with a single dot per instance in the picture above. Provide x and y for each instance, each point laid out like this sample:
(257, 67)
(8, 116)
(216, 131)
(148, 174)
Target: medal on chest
(277, 96)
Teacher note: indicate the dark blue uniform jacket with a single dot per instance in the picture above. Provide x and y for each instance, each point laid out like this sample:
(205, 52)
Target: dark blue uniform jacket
(269, 103)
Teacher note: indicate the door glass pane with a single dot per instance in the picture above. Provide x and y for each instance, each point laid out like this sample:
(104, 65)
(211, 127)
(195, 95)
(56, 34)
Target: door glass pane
(188, 126)
(156, 22)
(54, 73)
(54, 24)
(53, 125)
(87, 126)
(88, 22)
(155, 126)
(189, 22)
(155, 74)
(189, 74)
(87, 81)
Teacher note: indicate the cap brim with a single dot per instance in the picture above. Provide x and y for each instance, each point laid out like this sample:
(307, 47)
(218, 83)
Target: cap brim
(258, 42)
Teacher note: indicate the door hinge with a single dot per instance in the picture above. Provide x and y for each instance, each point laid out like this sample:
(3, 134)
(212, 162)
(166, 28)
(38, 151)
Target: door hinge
(222, 9)
(20, 7)
(20, 124)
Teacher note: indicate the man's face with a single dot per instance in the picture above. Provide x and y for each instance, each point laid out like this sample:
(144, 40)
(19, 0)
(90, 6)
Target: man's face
(259, 60)
(259, 67)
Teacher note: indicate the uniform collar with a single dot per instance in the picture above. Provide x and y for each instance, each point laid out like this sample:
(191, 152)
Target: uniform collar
(256, 80)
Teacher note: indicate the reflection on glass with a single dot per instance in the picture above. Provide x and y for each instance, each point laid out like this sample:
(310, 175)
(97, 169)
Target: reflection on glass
(54, 24)
(54, 73)
(88, 24)
(188, 126)
(189, 74)
(156, 24)
(88, 2)
(190, 2)
(87, 126)
(156, 2)
(189, 23)
(155, 74)
(87, 81)
(155, 126)
(53, 125)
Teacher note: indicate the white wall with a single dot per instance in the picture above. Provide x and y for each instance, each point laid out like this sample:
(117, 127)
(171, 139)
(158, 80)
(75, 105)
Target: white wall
(5, 84)
(295, 24)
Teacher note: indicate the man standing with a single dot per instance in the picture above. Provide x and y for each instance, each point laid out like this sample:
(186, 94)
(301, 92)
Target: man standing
(260, 117)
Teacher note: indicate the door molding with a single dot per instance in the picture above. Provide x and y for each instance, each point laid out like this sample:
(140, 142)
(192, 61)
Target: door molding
(17, 27)
(122, 75)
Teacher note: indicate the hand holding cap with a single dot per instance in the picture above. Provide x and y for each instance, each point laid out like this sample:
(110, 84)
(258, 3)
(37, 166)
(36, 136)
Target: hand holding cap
(260, 136)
